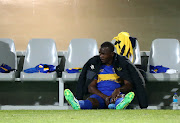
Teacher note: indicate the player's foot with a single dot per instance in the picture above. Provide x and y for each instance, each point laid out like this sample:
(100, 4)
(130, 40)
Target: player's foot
(127, 99)
(71, 99)
(111, 106)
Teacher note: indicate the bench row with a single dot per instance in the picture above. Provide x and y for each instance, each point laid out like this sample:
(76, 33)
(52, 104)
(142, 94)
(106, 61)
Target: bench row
(165, 52)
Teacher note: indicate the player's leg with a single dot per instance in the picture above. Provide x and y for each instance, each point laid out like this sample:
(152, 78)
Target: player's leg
(76, 104)
(90, 103)
(97, 102)
(123, 103)
(93, 102)
(71, 99)
(119, 98)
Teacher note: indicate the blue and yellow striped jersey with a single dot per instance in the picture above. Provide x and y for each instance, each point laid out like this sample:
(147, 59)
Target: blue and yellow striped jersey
(107, 80)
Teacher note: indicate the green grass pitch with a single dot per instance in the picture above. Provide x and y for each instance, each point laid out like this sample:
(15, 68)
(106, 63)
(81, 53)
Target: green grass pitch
(90, 116)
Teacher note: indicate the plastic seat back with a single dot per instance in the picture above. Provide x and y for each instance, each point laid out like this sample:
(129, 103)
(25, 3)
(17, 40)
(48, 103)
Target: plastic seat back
(137, 54)
(40, 51)
(8, 52)
(165, 52)
(80, 51)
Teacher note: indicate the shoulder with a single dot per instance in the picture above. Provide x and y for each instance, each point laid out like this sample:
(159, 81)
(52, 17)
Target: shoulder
(121, 59)
(94, 59)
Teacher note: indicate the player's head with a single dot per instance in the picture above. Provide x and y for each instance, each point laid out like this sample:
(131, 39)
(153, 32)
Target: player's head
(106, 52)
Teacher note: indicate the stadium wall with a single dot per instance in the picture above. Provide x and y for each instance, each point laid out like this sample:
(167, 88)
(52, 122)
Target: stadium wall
(64, 20)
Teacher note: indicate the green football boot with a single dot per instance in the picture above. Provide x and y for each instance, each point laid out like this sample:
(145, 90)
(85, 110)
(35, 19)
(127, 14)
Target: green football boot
(71, 99)
(127, 99)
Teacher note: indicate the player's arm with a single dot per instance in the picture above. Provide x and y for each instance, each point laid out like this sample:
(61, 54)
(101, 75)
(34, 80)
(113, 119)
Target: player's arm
(124, 89)
(92, 88)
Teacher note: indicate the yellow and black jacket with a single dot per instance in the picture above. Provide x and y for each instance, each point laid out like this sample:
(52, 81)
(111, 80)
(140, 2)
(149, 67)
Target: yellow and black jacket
(124, 46)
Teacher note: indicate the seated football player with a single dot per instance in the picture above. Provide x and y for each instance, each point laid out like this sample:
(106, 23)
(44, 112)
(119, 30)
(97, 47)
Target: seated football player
(107, 86)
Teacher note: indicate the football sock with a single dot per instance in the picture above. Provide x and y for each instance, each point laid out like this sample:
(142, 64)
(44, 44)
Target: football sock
(85, 104)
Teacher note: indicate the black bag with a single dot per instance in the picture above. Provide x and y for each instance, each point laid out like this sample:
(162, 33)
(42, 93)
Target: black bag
(59, 71)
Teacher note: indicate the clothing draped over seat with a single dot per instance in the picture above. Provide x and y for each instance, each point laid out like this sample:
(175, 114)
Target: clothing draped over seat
(40, 51)
(164, 52)
(123, 45)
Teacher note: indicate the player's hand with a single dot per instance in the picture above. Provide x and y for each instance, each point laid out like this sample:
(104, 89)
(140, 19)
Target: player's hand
(115, 95)
(107, 100)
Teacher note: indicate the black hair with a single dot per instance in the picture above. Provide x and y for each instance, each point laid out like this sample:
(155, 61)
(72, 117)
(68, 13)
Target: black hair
(109, 45)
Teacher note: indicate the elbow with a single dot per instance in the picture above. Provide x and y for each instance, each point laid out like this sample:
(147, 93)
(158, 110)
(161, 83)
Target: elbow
(89, 89)
(130, 87)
